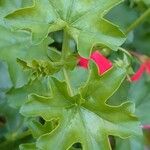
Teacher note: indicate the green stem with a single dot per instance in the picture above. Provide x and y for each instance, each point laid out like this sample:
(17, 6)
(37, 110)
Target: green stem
(124, 51)
(65, 46)
(65, 51)
(67, 81)
(140, 20)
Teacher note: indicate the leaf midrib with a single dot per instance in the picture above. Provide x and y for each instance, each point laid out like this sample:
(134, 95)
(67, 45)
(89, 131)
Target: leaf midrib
(90, 11)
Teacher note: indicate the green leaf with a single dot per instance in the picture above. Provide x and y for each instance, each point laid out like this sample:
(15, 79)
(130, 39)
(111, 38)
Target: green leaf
(76, 78)
(140, 2)
(29, 146)
(15, 45)
(54, 54)
(38, 129)
(5, 81)
(18, 96)
(14, 119)
(139, 94)
(14, 125)
(5, 86)
(103, 87)
(86, 26)
(40, 68)
(7, 6)
(70, 62)
(129, 144)
(76, 116)
(126, 16)
(142, 39)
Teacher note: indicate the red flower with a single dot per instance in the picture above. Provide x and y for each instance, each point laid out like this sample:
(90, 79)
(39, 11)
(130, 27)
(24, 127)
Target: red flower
(146, 127)
(83, 62)
(102, 62)
(145, 67)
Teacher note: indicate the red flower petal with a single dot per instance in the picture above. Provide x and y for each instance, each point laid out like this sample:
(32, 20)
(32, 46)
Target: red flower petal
(83, 62)
(146, 126)
(102, 62)
(139, 73)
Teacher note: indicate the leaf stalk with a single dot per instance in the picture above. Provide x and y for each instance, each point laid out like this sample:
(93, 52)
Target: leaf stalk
(65, 52)
(137, 22)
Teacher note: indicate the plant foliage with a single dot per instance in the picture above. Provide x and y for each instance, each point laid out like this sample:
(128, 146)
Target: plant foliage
(48, 100)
